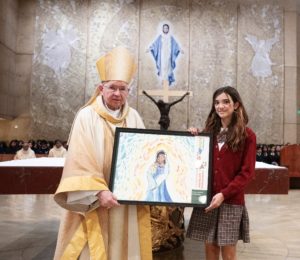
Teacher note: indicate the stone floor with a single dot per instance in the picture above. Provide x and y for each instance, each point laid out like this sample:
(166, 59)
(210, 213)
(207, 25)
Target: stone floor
(29, 224)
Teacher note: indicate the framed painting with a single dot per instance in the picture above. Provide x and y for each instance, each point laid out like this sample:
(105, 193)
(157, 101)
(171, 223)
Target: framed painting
(161, 167)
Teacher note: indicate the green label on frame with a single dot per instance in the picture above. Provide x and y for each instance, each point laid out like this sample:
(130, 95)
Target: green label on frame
(199, 196)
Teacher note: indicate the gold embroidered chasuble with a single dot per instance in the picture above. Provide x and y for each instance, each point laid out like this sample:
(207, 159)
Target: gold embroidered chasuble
(90, 231)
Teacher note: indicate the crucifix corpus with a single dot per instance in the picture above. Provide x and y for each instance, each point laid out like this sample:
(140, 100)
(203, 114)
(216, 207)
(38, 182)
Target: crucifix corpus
(163, 105)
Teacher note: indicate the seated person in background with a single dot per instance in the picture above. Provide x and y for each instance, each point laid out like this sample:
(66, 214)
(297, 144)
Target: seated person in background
(20, 144)
(58, 150)
(25, 152)
(278, 149)
(44, 148)
(31, 143)
(51, 144)
(65, 145)
(265, 154)
(35, 147)
(3, 148)
(13, 147)
(273, 157)
(259, 157)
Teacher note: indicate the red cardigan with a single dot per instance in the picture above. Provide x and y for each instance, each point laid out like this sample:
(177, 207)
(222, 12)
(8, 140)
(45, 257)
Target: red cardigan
(233, 170)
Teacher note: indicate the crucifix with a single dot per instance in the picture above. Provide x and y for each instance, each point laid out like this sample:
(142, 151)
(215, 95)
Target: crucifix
(163, 105)
(173, 216)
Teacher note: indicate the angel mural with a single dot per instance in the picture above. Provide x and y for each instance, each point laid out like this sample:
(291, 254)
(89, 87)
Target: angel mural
(57, 47)
(261, 62)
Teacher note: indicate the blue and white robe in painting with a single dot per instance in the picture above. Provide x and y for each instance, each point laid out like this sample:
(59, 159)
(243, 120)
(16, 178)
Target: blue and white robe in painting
(157, 187)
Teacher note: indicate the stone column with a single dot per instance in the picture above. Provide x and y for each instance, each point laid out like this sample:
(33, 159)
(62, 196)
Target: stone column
(291, 124)
(8, 31)
(16, 51)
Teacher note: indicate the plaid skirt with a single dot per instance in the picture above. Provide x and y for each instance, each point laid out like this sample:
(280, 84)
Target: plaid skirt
(222, 226)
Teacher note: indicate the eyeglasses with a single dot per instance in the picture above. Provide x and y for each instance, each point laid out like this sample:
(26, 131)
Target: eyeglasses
(114, 89)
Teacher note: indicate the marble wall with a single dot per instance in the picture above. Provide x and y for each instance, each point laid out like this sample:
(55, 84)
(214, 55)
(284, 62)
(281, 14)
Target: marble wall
(260, 70)
(213, 59)
(238, 43)
(59, 66)
(111, 24)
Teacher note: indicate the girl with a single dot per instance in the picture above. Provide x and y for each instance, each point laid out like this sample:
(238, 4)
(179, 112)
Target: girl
(225, 220)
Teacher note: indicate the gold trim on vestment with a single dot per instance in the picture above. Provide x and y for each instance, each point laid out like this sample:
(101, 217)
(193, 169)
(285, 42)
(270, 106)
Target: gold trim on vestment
(76, 244)
(81, 183)
(89, 231)
(145, 235)
(95, 238)
(101, 110)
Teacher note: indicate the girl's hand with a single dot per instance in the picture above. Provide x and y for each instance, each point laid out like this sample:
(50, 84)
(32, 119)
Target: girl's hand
(216, 202)
(194, 130)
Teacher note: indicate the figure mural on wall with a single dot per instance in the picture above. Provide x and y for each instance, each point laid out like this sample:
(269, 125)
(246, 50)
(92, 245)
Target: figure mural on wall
(56, 51)
(164, 109)
(165, 50)
(261, 62)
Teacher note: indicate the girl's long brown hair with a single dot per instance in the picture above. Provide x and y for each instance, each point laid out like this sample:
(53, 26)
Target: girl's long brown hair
(236, 133)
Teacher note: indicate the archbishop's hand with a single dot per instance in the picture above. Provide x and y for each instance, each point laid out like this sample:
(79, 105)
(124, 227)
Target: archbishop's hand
(216, 202)
(107, 199)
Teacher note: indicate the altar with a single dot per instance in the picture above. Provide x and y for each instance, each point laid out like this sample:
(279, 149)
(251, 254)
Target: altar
(31, 176)
(269, 179)
(42, 175)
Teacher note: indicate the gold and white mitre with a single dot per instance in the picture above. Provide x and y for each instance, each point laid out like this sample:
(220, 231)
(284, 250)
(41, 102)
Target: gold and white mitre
(118, 64)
